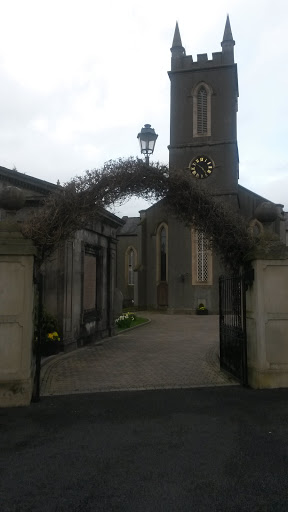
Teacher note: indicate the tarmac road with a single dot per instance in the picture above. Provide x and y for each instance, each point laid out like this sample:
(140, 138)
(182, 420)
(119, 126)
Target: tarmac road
(207, 449)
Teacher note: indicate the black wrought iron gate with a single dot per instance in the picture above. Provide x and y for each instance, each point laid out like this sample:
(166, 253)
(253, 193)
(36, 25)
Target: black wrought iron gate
(232, 314)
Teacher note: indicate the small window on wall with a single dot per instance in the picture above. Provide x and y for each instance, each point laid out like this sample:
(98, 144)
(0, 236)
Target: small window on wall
(162, 253)
(89, 285)
(201, 259)
(131, 266)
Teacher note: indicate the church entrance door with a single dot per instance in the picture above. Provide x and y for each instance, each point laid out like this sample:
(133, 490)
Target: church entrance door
(162, 294)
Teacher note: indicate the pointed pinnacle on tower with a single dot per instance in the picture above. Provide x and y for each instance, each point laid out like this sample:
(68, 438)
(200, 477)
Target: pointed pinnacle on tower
(177, 49)
(228, 44)
(177, 38)
(227, 37)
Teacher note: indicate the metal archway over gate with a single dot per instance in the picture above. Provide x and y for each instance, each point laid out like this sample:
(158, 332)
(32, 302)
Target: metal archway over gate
(232, 323)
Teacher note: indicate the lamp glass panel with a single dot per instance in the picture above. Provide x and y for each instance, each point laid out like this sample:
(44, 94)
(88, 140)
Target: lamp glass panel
(151, 145)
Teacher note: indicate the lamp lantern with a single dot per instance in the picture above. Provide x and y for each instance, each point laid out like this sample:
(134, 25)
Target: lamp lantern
(147, 140)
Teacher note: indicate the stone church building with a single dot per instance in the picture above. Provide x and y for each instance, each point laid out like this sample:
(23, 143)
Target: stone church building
(161, 263)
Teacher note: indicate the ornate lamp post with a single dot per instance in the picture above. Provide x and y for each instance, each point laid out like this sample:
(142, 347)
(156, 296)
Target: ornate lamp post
(147, 139)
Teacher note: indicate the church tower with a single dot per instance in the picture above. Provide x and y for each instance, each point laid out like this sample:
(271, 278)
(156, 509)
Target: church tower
(203, 115)
(175, 268)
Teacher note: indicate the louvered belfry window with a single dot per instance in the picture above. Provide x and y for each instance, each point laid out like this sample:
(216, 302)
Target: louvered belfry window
(202, 245)
(202, 111)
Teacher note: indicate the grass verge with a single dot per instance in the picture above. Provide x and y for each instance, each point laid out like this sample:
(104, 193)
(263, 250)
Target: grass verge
(138, 321)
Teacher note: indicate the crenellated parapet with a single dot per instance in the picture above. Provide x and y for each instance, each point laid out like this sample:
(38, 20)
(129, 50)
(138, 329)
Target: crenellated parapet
(181, 61)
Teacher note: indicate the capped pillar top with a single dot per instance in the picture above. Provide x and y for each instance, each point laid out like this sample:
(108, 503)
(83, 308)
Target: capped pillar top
(12, 198)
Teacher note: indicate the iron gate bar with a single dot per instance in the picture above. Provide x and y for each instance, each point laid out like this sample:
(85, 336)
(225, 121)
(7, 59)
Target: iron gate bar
(232, 326)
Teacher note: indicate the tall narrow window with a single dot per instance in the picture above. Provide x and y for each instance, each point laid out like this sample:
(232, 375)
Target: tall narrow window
(201, 259)
(163, 254)
(131, 265)
(202, 111)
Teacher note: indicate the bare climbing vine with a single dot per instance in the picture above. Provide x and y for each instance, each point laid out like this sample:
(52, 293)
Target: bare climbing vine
(83, 199)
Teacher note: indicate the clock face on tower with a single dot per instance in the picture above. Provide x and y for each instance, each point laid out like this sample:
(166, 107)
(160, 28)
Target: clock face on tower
(201, 167)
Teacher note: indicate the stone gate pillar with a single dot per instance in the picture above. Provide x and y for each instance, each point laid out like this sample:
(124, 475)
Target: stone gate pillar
(267, 324)
(16, 309)
(267, 312)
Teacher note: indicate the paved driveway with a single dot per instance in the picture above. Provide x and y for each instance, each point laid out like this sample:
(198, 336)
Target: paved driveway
(172, 351)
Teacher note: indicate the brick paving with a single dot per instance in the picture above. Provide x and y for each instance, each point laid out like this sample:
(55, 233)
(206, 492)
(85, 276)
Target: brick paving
(172, 351)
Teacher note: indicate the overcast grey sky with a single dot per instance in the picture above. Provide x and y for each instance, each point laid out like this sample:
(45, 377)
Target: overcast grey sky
(79, 79)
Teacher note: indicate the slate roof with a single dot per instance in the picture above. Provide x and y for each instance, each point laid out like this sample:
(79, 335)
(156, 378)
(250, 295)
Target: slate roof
(25, 181)
(130, 226)
(244, 190)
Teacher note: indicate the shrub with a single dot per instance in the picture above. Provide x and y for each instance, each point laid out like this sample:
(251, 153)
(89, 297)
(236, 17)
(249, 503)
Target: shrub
(201, 307)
